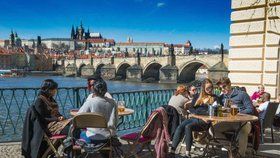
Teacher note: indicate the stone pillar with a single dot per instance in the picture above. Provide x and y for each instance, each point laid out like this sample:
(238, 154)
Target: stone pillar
(108, 72)
(87, 70)
(217, 71)
(134, 73)
(254, 42)
(168, 74)
(70, 70)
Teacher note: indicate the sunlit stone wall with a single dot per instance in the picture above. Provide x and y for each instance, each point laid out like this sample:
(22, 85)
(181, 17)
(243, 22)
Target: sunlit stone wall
(255, 39)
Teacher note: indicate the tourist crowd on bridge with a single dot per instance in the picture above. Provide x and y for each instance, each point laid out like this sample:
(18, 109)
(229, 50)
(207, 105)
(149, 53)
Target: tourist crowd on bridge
(175, 120)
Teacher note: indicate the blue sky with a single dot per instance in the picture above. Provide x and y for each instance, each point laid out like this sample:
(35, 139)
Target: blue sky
(205, 22)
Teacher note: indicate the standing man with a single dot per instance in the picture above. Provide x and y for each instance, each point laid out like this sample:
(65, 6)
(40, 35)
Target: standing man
(243, 102)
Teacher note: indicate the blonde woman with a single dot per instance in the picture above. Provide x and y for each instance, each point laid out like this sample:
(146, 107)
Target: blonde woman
(180, 100)
(199, 106)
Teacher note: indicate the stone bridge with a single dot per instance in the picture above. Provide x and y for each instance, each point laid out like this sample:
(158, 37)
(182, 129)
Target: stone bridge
(163, 69)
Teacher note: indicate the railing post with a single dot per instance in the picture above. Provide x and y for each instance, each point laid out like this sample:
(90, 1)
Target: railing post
(77, 96)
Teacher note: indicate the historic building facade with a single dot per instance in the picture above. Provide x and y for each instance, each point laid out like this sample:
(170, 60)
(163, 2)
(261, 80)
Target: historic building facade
(255, 37)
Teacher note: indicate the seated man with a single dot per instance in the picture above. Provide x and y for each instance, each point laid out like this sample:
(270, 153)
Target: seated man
(264, 104)
(103, 105)
(244, 103)
(90, 83)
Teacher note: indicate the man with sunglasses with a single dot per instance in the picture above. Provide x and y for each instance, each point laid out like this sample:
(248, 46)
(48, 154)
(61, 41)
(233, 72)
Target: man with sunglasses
(192, 90)
(90, 83)
(242, 100)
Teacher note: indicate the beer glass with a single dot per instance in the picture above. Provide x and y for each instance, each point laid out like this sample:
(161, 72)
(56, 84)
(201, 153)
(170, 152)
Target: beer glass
(233, 110)
(121, 106)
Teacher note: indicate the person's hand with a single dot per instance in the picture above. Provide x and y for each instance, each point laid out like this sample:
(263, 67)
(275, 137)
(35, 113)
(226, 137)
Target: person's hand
(60, 118)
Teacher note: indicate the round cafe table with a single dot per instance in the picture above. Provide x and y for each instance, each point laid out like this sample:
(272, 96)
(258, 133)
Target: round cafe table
(126, 112)
(242, 119)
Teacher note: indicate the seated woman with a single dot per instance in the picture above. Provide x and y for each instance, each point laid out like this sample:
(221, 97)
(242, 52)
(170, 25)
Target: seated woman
(46, 118)
(103, 105)
(199, 106)
(256, 95)
(180, 101)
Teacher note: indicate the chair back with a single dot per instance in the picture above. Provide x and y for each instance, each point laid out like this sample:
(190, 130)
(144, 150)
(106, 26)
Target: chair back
(89, 120)
(151, 120)
(269, 115)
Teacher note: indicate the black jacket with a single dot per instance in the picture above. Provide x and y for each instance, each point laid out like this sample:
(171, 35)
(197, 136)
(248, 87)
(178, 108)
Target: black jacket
(35, 125)
(201, 109)
(173, 119)
(32, 135)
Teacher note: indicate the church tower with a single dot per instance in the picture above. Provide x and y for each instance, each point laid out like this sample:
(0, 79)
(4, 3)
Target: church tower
(73, 35)
(12, 39)
(81, 32)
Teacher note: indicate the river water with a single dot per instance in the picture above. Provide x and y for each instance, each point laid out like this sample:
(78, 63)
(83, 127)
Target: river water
(113, 86)
(14, 104)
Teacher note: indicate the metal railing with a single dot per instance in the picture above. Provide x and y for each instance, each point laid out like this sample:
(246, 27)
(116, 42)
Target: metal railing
(14, 103)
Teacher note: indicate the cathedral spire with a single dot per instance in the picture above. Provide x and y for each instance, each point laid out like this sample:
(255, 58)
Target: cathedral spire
(12, 38)
(73, 32)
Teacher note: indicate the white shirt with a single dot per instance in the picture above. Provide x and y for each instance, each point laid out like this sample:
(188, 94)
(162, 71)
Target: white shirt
(178, 102)
(262, 108)
(105, 106)
(108, 95)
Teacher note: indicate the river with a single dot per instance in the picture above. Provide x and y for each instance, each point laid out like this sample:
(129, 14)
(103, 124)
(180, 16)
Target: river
(113, 86)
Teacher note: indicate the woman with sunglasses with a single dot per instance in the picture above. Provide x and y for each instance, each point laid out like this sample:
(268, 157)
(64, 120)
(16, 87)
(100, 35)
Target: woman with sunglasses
(199, 105)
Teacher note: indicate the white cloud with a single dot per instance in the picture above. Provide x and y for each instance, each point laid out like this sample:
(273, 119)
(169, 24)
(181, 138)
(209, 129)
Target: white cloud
(160, 4)
(216, 46)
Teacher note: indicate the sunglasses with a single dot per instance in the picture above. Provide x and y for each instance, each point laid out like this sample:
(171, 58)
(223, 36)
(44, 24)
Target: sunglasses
(209, 88)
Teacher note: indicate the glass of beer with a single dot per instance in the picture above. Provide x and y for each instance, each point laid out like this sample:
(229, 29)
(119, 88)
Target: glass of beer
(233, 110)
(121, 106)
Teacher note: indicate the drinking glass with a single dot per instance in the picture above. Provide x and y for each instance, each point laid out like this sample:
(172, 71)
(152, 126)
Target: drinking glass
(121, 106)
(233, 110)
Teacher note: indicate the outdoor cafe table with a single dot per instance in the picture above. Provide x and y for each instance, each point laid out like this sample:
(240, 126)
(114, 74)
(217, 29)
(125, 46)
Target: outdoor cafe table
(126, 112)
(239, 118)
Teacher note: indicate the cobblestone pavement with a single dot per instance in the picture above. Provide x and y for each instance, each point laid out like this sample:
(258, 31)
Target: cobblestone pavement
(267, 150)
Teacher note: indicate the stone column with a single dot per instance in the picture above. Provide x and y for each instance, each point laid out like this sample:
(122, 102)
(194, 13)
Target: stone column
(254, 42)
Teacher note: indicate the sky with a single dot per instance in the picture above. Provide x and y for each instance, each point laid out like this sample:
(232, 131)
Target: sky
(205, 23)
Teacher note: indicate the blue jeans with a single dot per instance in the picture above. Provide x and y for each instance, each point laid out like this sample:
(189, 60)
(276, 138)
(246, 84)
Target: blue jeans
(187, 127)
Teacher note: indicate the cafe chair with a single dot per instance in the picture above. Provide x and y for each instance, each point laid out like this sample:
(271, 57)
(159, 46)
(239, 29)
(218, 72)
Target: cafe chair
(267, 122)
(138, 138)
(53, 142)
(91, 120)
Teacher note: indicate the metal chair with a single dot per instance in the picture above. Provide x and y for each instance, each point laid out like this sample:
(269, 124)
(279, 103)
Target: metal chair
(93, 120)
(267, 122)
(53, 142)
(139, 138)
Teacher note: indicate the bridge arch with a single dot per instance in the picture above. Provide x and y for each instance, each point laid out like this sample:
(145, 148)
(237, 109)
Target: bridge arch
(98, 68)
(151, 72)
(188, 71)
(121, 70)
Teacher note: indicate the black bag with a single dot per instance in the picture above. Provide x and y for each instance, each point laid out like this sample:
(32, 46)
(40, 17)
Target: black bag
(276, 120)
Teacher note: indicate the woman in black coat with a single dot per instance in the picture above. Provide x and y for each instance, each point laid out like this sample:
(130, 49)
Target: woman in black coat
(42, 117)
